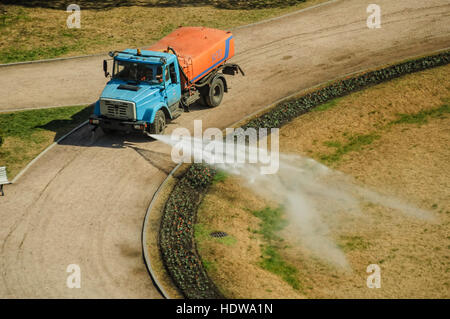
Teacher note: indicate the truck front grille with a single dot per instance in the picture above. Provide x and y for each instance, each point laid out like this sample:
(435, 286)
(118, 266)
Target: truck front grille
(118, 109)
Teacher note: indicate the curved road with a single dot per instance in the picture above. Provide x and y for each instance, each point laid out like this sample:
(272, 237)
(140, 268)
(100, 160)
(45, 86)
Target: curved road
(84, 201)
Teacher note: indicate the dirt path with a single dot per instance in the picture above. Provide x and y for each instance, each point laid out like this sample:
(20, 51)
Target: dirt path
(84, 202)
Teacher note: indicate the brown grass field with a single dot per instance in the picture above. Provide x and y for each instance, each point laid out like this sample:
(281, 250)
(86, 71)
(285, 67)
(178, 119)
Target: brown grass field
(40, 32)
(363, 135)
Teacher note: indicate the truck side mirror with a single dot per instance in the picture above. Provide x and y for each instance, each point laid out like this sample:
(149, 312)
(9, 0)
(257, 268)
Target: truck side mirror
(105, 68)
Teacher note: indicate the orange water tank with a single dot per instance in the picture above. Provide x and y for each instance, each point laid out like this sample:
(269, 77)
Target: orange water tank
(200, 50)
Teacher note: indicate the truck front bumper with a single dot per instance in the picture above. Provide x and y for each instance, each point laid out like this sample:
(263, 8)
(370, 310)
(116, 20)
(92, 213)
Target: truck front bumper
(118, 125)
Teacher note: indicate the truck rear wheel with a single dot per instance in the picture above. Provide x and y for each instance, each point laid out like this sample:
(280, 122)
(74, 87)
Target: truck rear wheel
(216, 90)
(159, 124)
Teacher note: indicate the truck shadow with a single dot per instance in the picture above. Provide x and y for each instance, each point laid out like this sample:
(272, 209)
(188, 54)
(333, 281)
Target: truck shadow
(197, 106)
(63, 126)
(87, 137)
(161, 161)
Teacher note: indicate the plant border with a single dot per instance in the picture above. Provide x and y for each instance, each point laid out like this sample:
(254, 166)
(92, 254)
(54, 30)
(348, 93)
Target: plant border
(176, 237)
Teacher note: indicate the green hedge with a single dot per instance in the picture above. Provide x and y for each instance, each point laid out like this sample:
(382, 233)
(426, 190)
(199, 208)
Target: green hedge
(106, 4)
(177, 235)
(255, 4)
(286, 111)
(177, 242)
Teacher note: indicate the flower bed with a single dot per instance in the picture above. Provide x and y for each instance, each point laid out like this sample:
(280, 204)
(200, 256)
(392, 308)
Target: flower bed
(177, 227)
(286, 111)
(177, 235)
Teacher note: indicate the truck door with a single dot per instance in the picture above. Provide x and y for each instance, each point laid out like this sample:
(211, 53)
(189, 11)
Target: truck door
(173, 89)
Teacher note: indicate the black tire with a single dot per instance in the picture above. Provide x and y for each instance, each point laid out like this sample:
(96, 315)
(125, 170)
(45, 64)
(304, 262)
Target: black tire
(216, 90)
(159, 124)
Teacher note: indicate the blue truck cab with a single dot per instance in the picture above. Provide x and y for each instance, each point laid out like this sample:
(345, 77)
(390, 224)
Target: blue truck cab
(149, 87)
(143, 92)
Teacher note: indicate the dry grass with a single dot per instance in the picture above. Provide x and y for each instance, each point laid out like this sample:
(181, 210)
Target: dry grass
(363, 113)
(38, 33)
(25, 134)
(409, 161)
(16, 153)
(233, 264)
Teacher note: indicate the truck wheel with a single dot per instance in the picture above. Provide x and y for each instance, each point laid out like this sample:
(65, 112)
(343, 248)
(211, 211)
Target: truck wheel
(159, 124)
(215, 95)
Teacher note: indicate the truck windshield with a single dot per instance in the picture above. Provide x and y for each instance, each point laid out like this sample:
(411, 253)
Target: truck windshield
(137, 72)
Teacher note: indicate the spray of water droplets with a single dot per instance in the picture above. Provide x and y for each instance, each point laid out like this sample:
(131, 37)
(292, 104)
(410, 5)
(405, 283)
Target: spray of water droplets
(307, 190)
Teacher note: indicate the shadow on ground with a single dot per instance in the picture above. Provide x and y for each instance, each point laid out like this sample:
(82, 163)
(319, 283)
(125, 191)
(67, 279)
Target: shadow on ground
(109, 4)
(62, 127)
(161, 161)
(138, 142)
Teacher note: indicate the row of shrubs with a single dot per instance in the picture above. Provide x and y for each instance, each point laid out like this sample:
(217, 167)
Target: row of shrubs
(105, 4)
(255, 4)
(177, 228)
(286, 111)
(176, 236)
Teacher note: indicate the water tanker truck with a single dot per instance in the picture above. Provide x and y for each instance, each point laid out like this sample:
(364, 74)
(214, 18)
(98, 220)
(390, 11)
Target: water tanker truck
(154, 85)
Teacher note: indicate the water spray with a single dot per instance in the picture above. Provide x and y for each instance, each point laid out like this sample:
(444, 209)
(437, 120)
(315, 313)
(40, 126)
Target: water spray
(307, 190)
